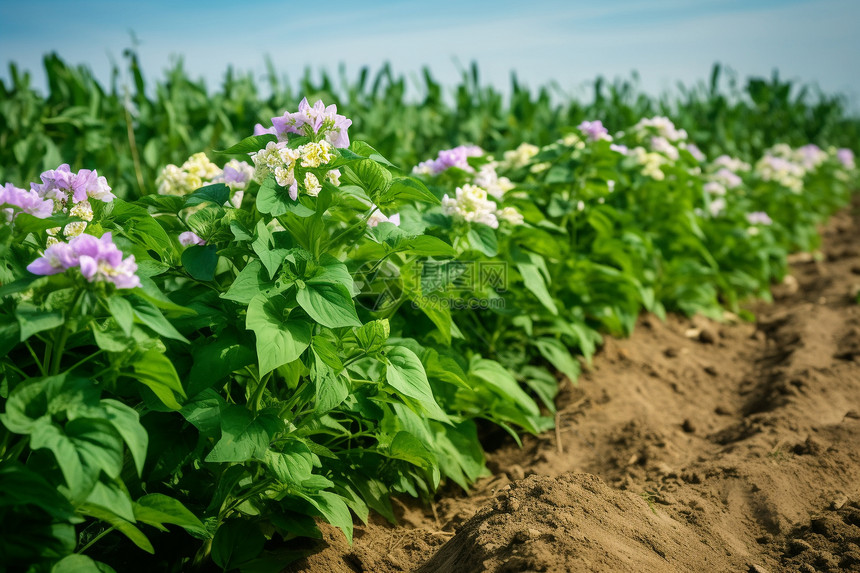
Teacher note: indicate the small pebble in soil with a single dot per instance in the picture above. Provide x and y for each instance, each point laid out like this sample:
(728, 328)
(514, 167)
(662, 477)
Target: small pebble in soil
(798, 546)
(707, 336)
(838, 502)
(516, 472)
(753, 568)
(711, 371)
(688, 427)
(852, 415)
(671, 352)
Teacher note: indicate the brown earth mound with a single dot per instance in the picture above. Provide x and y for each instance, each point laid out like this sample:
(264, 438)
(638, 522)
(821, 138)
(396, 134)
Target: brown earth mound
(691, 446)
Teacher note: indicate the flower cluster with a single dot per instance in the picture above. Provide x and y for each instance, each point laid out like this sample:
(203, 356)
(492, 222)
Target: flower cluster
(487, 178)
(24, 202)
(280, 160)
(846, 158)
(731, 163)
(759, 218)
(660, 144)
(594, 130)
(196, 172)
(71, 193)
(315, 122)
(662, 126)
(810, 156)
(781, 170)
(693, 150)
(472, 205)
(649, 161)
(448, 158)
(97, 259)
(520, 156)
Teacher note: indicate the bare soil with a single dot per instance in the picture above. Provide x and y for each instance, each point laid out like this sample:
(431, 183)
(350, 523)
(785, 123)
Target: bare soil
(692, 446)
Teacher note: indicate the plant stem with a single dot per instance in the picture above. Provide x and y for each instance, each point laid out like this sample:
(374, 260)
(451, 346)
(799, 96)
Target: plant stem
(96, 538)
(258, 392)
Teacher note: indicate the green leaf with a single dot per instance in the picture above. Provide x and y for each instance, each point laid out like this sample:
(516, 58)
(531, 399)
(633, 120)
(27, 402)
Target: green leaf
(83, 449)
(32, 320)
(247, 285)
(126, 421)
(236, 542)
(156, 371)
(559, 356)
(409, 189)
(217, 193)
(532, 277)
(426, 246)
(405, 373)
(243, 437)
(122, 312)
(408, 448)
(110, 497)
(369, 175)
(22, 486)
(157, 509)
(483, 238)
(200, 261)
(373, 335)
(149, 315)
(249, 145)
(125, 527)
(503, 383)
(293, 465)
(279, 339)
(216, 359)
(26, 223)
(328, 304)
(334, 509)
(275, 200)
(77, 563)
(263, 245)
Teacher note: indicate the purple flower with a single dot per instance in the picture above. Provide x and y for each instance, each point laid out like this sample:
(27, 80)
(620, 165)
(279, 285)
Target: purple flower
(695, 152)
(260, 130)
(26, 201)
(728, 178)
(447, 158)
(846, 158)
(58, 184)
(98, 259)
(57, 258)
(311, 120)
(189, 238)
(758, 218)
(594, 130)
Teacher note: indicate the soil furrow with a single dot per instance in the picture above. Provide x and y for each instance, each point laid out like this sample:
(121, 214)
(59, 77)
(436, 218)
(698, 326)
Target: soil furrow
(693, 445)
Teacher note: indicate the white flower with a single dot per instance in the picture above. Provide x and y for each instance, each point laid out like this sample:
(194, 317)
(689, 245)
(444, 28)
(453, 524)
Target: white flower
(510, 215)
(662, 145)
(714, 188)
(471, 205)
(312, 185)
(519, 156)
(315, 154)
(378, 217)
(488, 179)
(717, 206)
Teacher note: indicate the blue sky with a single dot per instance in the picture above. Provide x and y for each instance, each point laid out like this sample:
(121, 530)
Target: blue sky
(570, 41)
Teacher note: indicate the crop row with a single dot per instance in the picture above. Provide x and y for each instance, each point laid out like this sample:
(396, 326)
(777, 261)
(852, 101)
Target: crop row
(304, 331)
